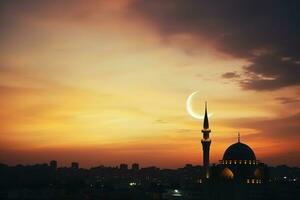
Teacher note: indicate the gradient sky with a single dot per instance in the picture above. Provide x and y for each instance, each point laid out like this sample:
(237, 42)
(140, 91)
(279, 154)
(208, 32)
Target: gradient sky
(105, 82)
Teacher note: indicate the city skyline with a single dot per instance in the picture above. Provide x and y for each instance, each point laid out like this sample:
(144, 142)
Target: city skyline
(105, 82)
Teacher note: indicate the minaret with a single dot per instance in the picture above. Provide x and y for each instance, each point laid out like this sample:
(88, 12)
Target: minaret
(206, 144)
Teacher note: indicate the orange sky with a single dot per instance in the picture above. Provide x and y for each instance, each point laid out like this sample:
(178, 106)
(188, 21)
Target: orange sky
(95, 83)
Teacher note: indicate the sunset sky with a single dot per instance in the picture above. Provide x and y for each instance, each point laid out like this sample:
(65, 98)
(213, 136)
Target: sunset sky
(105, 82)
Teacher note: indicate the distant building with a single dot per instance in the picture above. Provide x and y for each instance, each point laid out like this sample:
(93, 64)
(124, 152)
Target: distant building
(75, 165)
(123, 166)
(188, 166)
(135, 167)
(53, 164)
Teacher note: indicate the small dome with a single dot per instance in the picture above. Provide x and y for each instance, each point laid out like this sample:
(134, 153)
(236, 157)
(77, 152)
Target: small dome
(227, 173)
(239, 151)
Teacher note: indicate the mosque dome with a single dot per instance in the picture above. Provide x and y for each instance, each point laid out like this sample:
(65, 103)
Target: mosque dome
(239, 151)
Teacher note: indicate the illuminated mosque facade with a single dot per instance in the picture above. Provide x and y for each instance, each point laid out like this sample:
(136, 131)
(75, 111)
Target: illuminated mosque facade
(238, 165)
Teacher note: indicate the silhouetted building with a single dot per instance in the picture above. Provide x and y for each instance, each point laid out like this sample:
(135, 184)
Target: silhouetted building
(75, 165)
(123, 166)
(53, 164)
(239, 164)
(135, 167)
(40, 182)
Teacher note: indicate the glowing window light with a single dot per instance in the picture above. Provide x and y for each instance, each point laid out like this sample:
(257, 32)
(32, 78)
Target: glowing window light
(132, 183)
(245, 162)
(248, 181)
(252, 181)
(240, 162)
(229, 161)
(177, 193)
(235, 162)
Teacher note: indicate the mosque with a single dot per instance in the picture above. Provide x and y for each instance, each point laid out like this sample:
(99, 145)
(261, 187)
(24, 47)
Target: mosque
(238, 165)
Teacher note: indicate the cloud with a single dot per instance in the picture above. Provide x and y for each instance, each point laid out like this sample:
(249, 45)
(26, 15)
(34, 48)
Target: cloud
(287, 100)
(231, 75)
(271, 73)
(262, 32)
(283, 128)
(160, 121)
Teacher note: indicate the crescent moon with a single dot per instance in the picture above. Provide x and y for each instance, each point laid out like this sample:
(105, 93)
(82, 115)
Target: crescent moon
(190, 110)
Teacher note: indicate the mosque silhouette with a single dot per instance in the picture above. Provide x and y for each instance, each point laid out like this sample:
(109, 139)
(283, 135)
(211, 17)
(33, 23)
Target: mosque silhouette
(238, 165)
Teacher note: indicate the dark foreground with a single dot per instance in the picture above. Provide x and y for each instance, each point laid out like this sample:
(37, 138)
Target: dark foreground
(44, 182)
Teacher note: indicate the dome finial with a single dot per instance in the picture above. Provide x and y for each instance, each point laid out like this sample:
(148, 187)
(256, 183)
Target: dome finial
(239, 137)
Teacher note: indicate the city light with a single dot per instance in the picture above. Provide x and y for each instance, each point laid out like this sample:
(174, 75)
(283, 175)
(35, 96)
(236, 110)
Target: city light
(132, 183)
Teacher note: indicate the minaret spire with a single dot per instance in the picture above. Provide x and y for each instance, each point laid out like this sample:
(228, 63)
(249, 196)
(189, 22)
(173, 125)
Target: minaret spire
(206, 144)
(205, 122)
(239, 137)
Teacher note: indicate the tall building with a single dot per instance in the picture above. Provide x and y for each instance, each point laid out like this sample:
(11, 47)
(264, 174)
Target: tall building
(123, 166)
(206, 144)
(75, 165)
(53, 164)
(135, 167)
